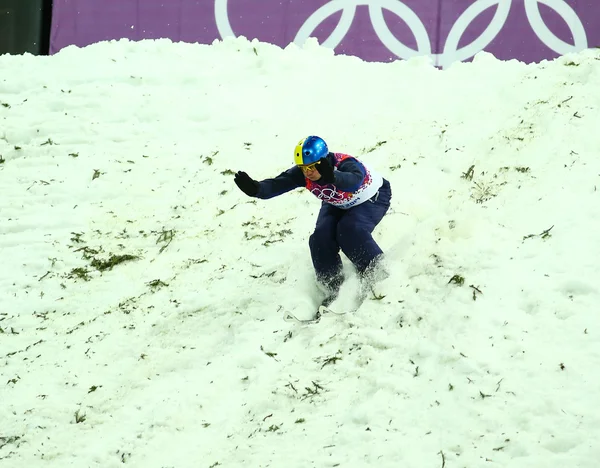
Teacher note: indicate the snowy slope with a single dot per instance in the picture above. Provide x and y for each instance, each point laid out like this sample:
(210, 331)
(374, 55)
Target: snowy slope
(143, 293)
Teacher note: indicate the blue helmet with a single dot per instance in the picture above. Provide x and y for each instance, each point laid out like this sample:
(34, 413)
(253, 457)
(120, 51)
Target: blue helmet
(309, 150)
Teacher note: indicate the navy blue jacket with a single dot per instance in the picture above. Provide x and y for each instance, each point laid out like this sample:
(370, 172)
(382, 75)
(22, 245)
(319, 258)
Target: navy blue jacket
(348, 177)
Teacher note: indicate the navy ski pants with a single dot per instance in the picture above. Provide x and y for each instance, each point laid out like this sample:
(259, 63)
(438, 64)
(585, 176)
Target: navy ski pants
(349, 230)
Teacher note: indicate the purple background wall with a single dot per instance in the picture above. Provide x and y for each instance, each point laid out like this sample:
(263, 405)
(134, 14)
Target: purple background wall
(379, 30)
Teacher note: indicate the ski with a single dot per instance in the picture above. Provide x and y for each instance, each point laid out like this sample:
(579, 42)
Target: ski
(289, 317)
(323, 310)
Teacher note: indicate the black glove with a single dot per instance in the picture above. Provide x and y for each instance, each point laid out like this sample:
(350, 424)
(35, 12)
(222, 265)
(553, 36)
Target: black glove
(246, 183)
(326, 170)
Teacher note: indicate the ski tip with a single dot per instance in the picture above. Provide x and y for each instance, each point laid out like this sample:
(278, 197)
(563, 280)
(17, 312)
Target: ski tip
(323, 310)
(326, 310)
(289, 317)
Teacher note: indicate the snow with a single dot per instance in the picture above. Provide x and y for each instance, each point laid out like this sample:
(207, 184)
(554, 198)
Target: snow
(179, 356)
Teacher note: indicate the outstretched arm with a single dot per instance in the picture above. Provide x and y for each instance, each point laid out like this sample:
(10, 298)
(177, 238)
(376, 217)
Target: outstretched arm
(269, 188)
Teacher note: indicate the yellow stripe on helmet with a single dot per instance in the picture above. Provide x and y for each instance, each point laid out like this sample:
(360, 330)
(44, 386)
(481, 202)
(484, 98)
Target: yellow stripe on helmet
(298, 159)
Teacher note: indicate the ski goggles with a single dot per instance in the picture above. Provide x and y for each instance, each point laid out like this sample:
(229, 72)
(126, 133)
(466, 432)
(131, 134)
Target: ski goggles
(308, 167)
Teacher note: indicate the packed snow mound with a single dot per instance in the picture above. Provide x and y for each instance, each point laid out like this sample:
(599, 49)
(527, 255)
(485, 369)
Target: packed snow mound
(143, 293)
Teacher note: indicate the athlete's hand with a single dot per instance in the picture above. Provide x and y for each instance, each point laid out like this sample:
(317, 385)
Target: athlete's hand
(326, 170)
(246, 183)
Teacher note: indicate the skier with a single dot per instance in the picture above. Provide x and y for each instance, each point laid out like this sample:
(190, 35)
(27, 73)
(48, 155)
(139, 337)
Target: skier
(354, 200)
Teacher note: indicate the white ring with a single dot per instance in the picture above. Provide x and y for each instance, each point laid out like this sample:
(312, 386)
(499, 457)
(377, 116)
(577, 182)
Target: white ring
(222, 19)
(451, 52)
(348, 8)
(546, 36)
(413, 22)
(320, 15)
